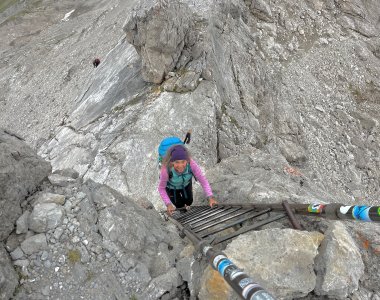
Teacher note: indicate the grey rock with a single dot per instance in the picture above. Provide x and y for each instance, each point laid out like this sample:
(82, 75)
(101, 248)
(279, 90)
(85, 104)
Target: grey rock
(158, 32)
(60, 180)
(67, 173)
(339, 265)
(34, 244)
(47, 264)
(138, 275)
(8, 276)
(21, 171)
(13, 241)
(85, 256)
(256, 131)
(68, 206)
(44, 255)
(260, 179)
(281, 279)
(49, 198)
(362, 293)
(127, 262)
(21, 263)
(367, 238)
(376, 296)
(261, 10)
(88, 215)
(124, 226)
(45, 217)
(102, 285)
(161, 264)
(22, 223)
(130, 231)
(190, 271)
(17, 253)
(293, 152)
(75, 239)
(101, 195)
(187, 82)
(365, 120)
(58, 233)
(161, 284)
(286, 269)
(170, 84)
(45, 291)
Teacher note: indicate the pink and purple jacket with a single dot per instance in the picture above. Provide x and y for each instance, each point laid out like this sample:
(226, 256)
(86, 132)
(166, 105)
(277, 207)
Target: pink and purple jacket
(197, 172)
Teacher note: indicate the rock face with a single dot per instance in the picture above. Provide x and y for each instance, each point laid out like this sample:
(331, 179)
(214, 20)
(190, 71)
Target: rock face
(82, 30)
(89, 154)
(282, 97)
(21, 171)
(262, 91)
(160, 34)
(101, 230)
(261, 178)
(8, 276)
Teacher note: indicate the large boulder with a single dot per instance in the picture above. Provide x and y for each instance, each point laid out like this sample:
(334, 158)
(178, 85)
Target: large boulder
(339, 265)
(279, 260)
(46, 216)
(21, 170)
(145, 248)
(159, 33)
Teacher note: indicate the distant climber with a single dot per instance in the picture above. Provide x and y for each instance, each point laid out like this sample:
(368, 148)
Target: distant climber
(175, 185)
(96, 62)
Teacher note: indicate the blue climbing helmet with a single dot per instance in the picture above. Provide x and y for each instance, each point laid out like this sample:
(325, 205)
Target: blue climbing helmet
(168, 142)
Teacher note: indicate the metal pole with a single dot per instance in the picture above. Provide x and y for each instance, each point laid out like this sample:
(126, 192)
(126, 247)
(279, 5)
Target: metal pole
(243, 285)
(340, 211)
(335, 211)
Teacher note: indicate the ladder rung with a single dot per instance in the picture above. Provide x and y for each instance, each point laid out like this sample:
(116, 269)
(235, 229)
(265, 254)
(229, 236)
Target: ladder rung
(248, 228)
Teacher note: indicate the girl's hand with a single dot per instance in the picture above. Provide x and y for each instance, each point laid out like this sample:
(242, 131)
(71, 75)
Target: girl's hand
(170, 209)
(212, 202)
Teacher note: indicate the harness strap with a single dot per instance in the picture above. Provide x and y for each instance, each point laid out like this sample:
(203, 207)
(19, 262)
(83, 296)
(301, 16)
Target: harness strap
(172, 187)
(183, 187)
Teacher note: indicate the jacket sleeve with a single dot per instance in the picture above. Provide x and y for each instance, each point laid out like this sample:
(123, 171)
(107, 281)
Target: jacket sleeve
(201, 178)
(164, 177)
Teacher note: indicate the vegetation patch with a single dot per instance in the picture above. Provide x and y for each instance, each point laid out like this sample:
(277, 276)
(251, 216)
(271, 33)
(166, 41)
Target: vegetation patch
(127, 103)
(157, 89)
(21, 275)
(90, 275)
(358, 95)
(4, 4)
(73, 256)
(369, 93)
(233, 121)
(230, 118)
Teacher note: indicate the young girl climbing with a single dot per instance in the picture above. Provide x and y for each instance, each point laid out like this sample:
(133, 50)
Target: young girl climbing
(175, 185)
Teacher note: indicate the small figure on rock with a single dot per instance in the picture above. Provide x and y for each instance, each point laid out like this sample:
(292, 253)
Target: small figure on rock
(96, 62)
(175, 185)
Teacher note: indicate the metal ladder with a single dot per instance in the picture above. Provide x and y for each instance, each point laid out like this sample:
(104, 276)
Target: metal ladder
(209, 223)
(203, 226)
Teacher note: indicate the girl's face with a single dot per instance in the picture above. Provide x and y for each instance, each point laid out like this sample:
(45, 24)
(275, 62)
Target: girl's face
(179, 165)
